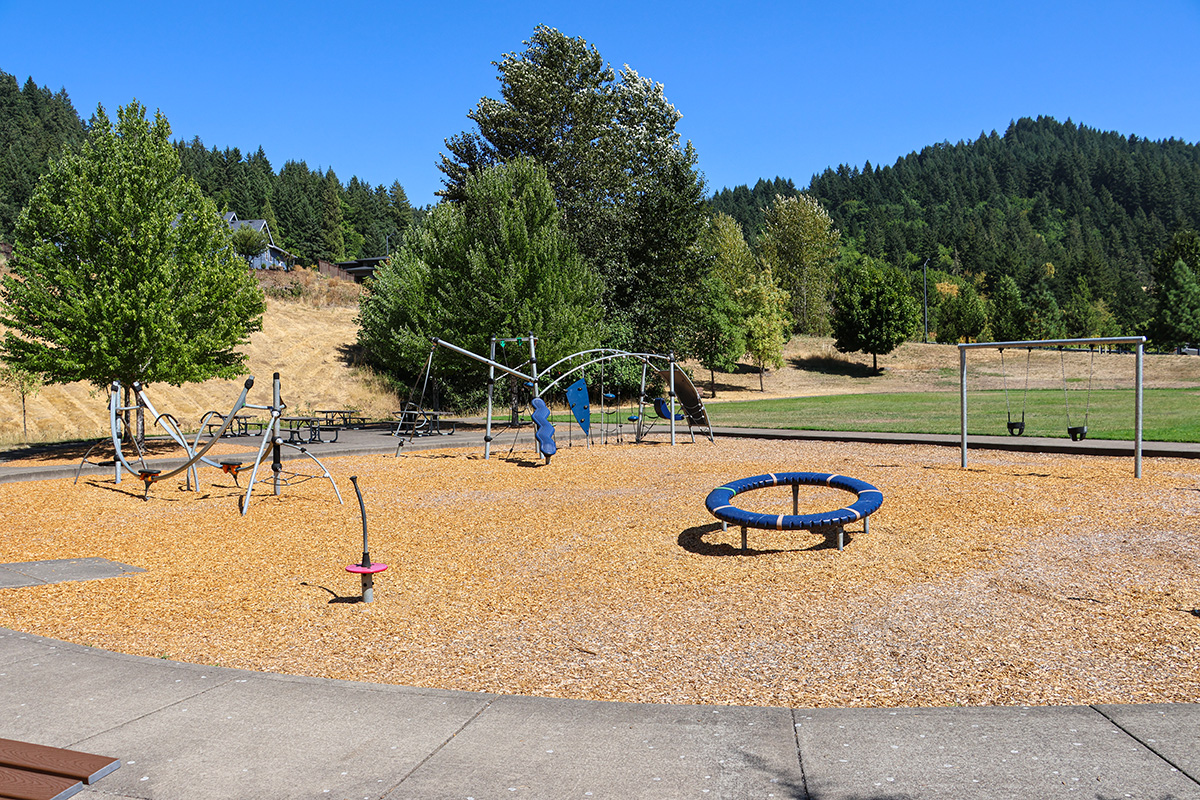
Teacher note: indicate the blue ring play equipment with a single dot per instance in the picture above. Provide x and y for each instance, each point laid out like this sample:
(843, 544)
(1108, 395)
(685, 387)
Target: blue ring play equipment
(720, 504)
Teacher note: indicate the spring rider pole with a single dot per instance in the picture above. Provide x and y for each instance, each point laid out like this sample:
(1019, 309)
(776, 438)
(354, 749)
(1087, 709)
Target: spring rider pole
(366, 569)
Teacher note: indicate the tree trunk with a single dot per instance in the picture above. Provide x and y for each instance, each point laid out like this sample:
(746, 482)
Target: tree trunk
(712, 382)
(874, 362)
(761, 370)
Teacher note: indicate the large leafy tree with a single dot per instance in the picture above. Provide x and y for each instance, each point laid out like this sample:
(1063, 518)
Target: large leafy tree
(123, 270)
(495, 264)
(873, 311)
(628, 191)
(766, 320)
(961, 315)
(800, 244)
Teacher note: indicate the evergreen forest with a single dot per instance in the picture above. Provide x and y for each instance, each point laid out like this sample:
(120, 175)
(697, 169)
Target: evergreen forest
(312, 214)
(1060, 208)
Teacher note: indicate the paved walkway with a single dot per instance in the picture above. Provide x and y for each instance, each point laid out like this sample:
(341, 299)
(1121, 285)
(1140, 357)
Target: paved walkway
(188, 731)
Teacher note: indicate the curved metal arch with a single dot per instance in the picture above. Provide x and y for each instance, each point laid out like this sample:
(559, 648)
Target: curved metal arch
(611, 354)
(178, 436)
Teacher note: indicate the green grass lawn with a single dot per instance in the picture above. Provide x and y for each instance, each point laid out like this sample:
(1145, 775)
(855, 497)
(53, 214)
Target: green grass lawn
(1169, 415)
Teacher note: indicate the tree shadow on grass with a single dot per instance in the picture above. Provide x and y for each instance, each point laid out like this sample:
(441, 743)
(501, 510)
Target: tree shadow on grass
(827, 365)
(352, 354)
(692, 540)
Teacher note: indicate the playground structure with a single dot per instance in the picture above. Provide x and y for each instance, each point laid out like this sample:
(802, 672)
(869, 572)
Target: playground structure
(681, 390)
(1076, 432)
(828, 523)
(196, 450)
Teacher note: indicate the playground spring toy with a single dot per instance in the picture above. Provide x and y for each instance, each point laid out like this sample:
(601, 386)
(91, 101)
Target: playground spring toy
(829, 523)
(366, 568)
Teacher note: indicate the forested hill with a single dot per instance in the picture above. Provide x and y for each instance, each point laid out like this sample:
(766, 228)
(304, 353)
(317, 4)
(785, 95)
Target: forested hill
(1046, 202)
(35, 124)
(311, 212)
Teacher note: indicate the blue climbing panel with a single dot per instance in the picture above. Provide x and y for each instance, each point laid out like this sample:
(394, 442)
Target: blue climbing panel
(577, 399)
(544, 429)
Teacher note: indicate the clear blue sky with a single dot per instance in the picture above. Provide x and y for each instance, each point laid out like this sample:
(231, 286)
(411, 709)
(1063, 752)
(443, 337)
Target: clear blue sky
(766, 89)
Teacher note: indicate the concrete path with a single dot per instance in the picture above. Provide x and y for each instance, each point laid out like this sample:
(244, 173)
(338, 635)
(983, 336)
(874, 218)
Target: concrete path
(188, 731)
(378, 440)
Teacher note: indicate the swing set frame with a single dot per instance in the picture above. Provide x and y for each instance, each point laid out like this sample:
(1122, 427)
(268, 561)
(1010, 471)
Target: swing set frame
(1091, 343)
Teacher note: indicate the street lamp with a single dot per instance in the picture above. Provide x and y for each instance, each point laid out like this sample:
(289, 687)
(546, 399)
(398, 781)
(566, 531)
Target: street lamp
(925, 285)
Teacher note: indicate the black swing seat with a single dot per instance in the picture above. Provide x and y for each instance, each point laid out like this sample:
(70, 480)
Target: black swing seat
(1016, 428)
(1077, 433)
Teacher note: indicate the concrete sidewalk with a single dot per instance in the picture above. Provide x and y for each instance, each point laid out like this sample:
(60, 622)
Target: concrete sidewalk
(188, 731)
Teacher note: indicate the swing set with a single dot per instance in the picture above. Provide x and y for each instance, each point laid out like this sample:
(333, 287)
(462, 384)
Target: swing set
(1075, 432)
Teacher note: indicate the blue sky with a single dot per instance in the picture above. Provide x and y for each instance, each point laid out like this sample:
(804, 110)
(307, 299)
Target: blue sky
(766, 89)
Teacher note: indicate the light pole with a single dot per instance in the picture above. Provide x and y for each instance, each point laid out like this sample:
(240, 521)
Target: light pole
(925, 286)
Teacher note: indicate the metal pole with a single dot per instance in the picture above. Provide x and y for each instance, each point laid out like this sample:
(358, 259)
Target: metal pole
(641, 407)
(672, 399)
(925, 285)
(277, 446)
(1137, 414)
(487, 435)
(962, 400)
(533, 364)
(482, 359)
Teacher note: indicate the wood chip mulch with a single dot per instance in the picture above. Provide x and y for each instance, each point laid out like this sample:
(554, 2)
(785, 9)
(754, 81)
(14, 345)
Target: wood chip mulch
(1024, 579)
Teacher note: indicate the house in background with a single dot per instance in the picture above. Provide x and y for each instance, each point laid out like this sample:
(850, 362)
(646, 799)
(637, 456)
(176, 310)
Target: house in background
(273, 257)
(361, 269)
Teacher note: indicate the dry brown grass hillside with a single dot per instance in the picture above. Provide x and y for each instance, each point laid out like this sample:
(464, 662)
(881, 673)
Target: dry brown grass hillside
(305, 338)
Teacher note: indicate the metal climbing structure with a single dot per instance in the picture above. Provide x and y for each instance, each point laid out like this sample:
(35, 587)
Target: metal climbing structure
(196, 451)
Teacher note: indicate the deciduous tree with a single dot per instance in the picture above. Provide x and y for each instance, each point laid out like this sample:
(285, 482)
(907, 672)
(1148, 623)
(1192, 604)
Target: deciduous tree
(800, 244)
(767, 323)
(873, 311)
(495, 264)
(629, 192)
(123, 270)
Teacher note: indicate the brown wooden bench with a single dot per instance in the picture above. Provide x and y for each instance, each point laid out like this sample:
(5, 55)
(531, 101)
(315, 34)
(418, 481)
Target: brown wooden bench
(37, 772)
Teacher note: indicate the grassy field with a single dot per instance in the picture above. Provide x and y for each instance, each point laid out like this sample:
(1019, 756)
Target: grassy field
(1169, 415)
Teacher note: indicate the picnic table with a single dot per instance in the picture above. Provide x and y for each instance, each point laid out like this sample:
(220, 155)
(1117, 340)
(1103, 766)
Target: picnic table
(413, 421)
(345, 417)
(242, 423)
(302, 430)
